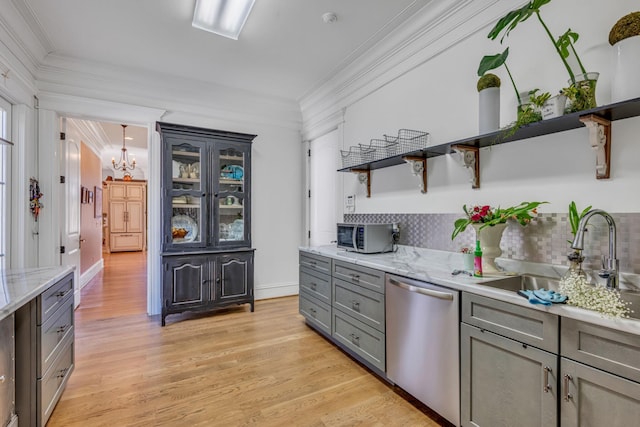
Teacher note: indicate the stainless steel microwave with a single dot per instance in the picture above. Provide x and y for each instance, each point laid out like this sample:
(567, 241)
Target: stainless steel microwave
(365, 238)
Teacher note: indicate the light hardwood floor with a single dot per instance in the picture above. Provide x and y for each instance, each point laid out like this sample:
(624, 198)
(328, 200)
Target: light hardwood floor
(230, 368)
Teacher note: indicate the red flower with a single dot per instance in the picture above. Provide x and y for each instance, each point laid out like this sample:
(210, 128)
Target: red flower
(476, 208)
(485, 209)
(476, 218)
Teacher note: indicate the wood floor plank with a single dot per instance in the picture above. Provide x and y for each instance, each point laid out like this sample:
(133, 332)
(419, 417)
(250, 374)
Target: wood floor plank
(229, 368)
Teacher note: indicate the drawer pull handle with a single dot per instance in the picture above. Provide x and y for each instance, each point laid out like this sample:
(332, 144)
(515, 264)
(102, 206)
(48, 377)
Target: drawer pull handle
(313, 311)
(565, 381)
(313, 263)
(62, 373)
(547, 386)
(355, 305)
(313, 286)
(355, 277)
(62, 329)
(355, 339)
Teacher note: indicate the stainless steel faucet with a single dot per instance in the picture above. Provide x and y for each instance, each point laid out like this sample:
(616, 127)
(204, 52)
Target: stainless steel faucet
(610, 265)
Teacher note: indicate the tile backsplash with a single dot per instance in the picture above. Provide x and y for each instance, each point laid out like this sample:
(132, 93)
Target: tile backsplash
(544, 240)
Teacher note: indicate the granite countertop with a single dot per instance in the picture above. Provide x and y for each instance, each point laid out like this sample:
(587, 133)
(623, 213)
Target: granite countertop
(19, 286)
(436, 266)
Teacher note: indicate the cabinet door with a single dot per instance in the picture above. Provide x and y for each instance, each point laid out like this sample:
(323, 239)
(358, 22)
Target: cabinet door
(232, 204)
(7, 391)
(188, 282)
(234, 278)
(504, 382)
(594, 398)
(117, 216)
(117, 191)
(135, 217)
(135, 192)
(186, 193)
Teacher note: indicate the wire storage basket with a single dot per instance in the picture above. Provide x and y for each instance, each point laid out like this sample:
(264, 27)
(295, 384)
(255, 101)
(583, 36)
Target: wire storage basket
(357, 155)
(409, 140)
(384, 148)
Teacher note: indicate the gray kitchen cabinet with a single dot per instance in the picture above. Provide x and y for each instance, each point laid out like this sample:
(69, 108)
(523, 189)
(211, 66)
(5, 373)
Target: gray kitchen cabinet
(505, 382)
(600, 376)
(346, 303)
(44, 333)
(315, 291)
(509, 364)
(7, 371)
(591, 397)
(206, 282)
(206, 218)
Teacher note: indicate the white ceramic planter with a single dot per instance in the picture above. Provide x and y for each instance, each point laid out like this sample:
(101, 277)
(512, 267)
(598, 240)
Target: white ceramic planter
(626, 84)
(554, 107)
(489, 110)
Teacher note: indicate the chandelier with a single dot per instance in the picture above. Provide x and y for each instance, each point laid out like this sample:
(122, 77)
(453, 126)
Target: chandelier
(124, 165)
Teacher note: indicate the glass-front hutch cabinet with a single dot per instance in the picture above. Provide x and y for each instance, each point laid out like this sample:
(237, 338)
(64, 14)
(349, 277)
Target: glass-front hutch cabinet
(206, 200)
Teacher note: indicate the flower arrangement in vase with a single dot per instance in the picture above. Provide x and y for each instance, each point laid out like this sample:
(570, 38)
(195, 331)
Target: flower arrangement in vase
(489, 223)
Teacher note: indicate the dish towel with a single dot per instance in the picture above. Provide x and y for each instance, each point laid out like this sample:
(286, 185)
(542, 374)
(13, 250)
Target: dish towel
(543, 296)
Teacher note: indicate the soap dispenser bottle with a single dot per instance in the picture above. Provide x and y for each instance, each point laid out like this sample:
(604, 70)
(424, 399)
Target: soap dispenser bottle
(477, 260)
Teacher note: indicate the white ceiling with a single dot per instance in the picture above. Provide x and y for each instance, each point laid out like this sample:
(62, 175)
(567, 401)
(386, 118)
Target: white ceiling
(285, 49)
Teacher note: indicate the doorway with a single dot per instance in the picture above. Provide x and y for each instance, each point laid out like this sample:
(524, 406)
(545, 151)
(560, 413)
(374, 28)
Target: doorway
(102, 266)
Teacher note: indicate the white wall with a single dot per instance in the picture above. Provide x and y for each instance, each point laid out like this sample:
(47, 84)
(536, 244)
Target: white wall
(439, 96)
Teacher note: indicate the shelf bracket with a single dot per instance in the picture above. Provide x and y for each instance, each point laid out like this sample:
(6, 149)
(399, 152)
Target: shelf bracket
(600, 140)
(364, 178)
(418, 167)
(471, 161)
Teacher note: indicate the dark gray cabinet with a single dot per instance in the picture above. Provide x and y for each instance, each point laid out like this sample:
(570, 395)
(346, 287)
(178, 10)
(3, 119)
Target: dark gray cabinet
(206, 218)
(44, 333)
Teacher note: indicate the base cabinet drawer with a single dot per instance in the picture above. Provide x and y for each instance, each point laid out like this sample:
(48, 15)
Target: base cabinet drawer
(358, 275)
(363, 340)
(49, 301)
(126, 242)
(316, 312)
(316, 284)
(523, 324)
(56, 330)
(315, 262)
(50, 386)
(360, 303)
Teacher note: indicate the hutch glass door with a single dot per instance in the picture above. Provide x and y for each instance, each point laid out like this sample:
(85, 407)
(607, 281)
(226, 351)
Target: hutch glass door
(232, 200)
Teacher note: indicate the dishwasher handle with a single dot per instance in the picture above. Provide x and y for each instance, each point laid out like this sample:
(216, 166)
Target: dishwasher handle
(423, 291)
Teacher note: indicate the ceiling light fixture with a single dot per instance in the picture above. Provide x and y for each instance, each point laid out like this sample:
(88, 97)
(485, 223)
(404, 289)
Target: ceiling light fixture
(222, 17)
(123, 164)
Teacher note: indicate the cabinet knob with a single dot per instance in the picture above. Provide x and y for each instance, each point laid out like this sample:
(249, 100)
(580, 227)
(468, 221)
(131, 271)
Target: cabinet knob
(2, 379)
(217, 280)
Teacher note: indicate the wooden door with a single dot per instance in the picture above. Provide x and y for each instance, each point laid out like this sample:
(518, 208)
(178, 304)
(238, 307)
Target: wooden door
(117, 216)
(135, 192)
(234, 279)
(135, 217)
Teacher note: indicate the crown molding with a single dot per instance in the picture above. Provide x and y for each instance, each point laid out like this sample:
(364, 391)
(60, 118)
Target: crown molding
(133, 86)
(437, 27)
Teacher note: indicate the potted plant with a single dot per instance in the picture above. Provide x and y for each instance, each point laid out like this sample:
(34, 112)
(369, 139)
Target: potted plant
(526, 114)
(583, 84)
(623, 37)
(488, 103)
(489, 224)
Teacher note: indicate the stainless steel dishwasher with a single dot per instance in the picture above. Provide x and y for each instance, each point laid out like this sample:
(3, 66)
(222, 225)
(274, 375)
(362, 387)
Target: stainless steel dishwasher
(423, 350)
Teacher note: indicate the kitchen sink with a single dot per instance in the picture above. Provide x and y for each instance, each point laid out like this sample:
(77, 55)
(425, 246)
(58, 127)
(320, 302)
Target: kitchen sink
(527, 281)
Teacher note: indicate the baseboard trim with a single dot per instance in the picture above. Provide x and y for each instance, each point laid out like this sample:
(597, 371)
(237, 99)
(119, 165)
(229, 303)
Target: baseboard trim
(276, 290)
(91, 273)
